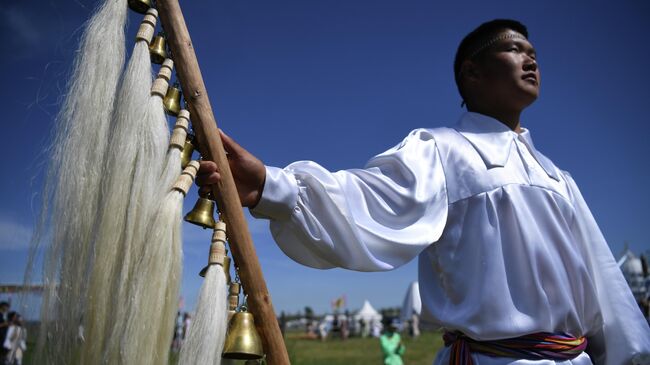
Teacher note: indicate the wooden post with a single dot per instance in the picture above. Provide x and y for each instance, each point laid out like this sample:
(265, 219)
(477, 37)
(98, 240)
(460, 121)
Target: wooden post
(205, 126)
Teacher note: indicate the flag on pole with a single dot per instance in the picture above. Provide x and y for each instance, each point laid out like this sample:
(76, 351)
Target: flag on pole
(338, 303)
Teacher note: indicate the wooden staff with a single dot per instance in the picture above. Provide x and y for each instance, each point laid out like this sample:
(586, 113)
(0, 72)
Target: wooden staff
(205, 126)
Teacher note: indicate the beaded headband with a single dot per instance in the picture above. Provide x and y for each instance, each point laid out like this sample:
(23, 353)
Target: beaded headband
(492, 41)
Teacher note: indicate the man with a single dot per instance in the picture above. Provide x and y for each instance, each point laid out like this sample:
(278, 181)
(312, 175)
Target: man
(511, 262)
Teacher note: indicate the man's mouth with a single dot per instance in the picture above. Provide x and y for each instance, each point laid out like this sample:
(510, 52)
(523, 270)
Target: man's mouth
(530, 77)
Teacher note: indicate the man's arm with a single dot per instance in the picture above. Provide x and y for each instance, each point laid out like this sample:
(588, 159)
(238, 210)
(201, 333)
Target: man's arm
(371, 219)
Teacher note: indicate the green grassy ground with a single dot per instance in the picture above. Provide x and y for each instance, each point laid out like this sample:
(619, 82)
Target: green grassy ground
(353, 351)
(359, 351)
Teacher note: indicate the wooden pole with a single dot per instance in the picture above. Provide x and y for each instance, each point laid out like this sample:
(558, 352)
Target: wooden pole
(205, 127)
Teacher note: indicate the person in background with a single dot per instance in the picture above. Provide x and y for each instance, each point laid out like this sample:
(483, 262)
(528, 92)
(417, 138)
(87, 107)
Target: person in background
(15, 342)
(4, 324)
(391, 344)
(187, 322)
(415, 325)
(178, 333)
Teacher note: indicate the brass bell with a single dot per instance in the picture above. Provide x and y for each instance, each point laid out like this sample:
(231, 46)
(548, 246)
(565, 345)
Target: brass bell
(157, 49)
(188, 149)
(172, 100)
(242, 341)
(202, 214)
(140, 6)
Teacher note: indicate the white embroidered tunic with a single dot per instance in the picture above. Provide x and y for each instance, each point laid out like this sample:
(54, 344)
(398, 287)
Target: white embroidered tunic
(505, 242)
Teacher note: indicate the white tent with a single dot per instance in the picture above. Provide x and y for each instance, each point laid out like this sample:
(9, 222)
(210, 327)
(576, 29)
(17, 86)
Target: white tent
(412, 302)
(367, 313)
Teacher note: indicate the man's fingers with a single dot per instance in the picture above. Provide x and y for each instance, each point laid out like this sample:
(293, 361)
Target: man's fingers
(229, 144)
(207, 179)
(206, 167)
(208, 173)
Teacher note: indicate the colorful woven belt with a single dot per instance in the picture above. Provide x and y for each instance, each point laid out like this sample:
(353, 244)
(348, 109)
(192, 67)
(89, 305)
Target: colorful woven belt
(536, 346)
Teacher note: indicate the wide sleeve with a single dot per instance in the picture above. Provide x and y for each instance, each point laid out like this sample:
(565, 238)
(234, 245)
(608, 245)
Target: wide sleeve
(624, 337)
(371, 219)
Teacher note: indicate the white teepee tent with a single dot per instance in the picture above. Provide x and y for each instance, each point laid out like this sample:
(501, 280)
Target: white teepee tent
(412, 302)
(367, 313)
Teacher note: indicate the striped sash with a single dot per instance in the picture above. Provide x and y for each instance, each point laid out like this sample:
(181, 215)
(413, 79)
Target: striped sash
(535, 346)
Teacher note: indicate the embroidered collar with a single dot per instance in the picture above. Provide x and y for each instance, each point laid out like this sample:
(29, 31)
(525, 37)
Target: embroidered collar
(493, 141)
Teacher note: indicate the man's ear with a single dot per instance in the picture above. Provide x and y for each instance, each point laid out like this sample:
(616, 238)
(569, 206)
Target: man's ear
(470, 70)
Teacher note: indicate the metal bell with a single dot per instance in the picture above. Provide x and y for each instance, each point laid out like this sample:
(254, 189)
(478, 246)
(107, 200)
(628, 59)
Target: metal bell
(172, 100)
(186, 154)
(139, 6)
(242, 341)
(157, 49)
(202, 214)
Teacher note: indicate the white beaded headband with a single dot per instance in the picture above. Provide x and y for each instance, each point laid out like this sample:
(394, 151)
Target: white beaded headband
(491, 41)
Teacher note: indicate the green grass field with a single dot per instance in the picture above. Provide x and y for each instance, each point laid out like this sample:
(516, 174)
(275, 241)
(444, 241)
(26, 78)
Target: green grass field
(353, 351)
(359, 351)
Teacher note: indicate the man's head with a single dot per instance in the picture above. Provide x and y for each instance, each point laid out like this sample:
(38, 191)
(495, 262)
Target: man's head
(495, 65)
(4, 307)
(16, 318)
(392, 326)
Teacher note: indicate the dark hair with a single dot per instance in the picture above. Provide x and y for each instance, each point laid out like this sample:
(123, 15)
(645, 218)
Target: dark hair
(11, 315)
(5, 304)
(479, 35)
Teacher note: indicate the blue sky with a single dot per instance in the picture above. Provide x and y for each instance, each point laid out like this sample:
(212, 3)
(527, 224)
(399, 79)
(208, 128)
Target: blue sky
(339, 81)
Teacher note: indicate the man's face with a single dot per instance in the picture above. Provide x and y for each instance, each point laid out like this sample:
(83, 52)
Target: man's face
(508, 71)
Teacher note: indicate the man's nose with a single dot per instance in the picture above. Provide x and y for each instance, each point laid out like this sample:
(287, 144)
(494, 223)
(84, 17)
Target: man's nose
(530, 64)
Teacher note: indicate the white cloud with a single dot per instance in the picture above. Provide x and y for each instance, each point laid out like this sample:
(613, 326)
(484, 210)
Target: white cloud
(14, 236)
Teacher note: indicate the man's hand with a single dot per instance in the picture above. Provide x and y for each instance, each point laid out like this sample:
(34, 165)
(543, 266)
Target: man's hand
(247, 170)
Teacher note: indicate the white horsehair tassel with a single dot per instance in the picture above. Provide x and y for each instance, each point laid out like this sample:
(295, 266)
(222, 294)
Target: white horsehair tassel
(207, 334)
(130, 194)
(153, 307)
(74, 174)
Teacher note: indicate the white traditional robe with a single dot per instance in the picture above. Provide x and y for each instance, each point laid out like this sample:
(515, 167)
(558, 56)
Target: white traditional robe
(506, 244)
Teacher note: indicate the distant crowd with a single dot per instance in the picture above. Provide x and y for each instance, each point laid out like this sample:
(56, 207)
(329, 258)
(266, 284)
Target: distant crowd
(345, 325)
(13, 336)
